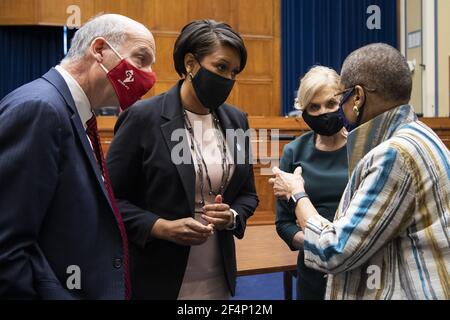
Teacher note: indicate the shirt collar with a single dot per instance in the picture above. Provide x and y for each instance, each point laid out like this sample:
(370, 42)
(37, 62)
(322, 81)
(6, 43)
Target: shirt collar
(79, 96)
(374, 132)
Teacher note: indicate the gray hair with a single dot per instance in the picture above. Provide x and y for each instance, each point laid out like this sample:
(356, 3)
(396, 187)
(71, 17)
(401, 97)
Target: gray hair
(112, 27)
(315, 80)
(379, 67)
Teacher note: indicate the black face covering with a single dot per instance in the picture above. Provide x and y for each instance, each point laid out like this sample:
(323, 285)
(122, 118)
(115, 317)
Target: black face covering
(327, 124)
(211, 89)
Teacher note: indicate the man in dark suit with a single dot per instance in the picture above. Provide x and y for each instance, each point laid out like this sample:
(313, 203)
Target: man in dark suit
(61, 235)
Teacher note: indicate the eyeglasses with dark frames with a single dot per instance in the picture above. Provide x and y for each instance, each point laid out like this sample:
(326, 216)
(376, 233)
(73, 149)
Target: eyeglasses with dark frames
(346, 93)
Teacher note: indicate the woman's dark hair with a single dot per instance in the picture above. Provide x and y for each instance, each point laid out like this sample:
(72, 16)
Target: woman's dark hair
(199, 38)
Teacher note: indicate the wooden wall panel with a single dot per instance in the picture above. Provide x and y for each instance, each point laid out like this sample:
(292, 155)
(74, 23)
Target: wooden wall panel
(260, 62)
(276, 85)
(219, 10)
(256, 17)
(13, 12)
(54, 12)
(264, 215)
(255, 98)
(168, 15)
(164, 66)
(160, 87)
(134, 9)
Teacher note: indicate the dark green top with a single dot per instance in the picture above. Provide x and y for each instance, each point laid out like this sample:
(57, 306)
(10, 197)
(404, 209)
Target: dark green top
(325, 174)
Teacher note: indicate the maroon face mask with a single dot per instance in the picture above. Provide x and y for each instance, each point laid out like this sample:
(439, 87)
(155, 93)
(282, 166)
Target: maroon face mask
(129, 83)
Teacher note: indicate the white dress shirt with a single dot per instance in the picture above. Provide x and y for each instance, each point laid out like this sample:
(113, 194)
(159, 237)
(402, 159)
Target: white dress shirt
(79, 97)
(81, 100)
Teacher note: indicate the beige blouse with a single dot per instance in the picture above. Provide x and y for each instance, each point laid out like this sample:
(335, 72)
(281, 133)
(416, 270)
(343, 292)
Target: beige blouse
(204, 278)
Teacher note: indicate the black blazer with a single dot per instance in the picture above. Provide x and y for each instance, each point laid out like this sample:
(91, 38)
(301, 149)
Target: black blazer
(148, 186)
(54, 209)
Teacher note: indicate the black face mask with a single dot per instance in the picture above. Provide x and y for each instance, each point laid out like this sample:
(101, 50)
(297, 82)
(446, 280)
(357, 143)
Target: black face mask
(327, 124)
(211, 89)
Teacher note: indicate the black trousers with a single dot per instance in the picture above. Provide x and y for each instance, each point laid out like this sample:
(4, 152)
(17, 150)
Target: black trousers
(311, 284)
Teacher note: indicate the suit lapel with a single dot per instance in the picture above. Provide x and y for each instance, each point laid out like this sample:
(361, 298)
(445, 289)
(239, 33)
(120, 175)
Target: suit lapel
(58, 82)
(239, 175)
(172, 113)
(81, 133)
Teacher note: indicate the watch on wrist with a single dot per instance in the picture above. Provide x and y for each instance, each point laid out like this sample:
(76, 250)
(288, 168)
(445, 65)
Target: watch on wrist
(295, 198)
(232, 227)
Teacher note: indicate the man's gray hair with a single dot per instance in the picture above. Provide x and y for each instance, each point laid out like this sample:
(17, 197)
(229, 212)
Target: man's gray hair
(112, 27)
(380, 67)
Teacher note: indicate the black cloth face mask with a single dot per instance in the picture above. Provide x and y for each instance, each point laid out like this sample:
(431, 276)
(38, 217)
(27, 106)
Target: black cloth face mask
(327, 124)
(211, 89)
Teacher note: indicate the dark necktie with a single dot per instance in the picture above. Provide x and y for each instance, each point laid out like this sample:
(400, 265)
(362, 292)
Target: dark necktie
(95, 141)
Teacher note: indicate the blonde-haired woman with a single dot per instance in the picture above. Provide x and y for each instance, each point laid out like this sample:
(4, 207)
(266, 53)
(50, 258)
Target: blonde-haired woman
(323, 157)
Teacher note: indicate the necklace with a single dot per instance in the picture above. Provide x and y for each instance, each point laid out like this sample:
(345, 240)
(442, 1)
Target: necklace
(202, 168)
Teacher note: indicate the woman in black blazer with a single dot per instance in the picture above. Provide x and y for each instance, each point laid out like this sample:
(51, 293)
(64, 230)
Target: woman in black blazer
(182, 175)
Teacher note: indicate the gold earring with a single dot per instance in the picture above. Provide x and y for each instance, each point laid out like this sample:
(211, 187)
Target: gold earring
(190, 76)
(356, 110)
